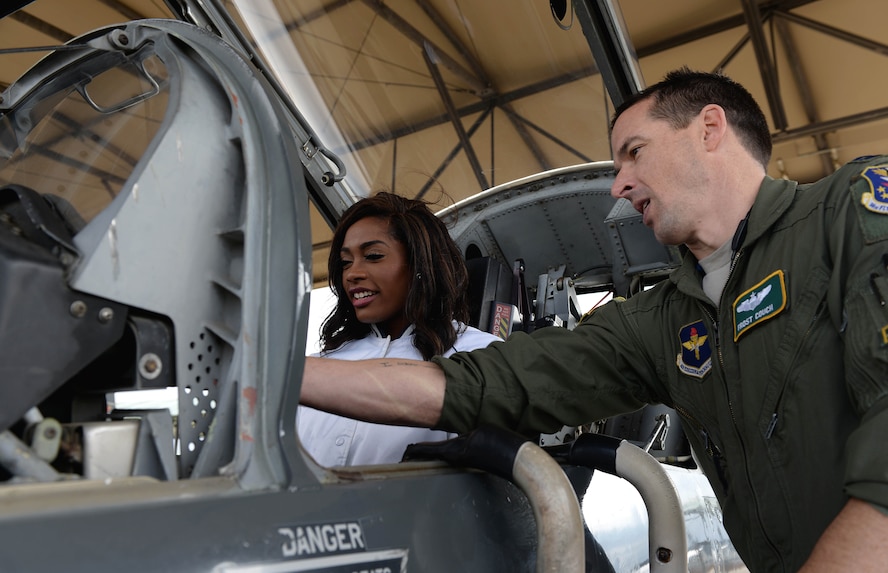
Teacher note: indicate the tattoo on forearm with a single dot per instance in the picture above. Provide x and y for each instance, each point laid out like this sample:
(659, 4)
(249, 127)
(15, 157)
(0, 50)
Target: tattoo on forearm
(388, 364)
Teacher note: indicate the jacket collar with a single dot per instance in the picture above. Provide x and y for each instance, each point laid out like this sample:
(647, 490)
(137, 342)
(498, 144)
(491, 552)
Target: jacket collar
(408, 332)
(773, 199)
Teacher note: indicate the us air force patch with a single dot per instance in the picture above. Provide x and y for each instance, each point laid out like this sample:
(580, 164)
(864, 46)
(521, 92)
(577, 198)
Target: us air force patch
(762, 302)
(876, 200)
(696, 353)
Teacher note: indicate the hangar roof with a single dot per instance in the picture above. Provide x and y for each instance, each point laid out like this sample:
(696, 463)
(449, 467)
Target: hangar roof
(442, 99)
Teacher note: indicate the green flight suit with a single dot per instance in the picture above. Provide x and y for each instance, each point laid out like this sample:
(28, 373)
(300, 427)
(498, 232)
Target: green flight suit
(782, 390)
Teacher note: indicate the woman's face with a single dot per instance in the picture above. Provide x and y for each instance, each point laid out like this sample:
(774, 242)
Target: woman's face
(375, 275)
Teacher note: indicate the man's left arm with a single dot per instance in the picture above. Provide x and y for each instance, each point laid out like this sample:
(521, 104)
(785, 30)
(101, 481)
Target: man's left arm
(856, 540)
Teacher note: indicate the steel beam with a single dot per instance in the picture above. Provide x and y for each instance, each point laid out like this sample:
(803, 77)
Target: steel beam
(602, 24)
(866, 43)
(467, 55)
(417, 37)
(500, 100)
(801, 80)
(717, 27)
(452, 155)
(831, 125)
(766, 66)
(517, 118)
(431, 60)
(41, 26)
(732, 53)
(455, 41)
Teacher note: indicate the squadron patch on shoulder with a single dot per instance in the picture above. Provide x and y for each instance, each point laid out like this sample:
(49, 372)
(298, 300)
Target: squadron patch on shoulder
(762, 302)
(695, 358)
(876, 199)
(869, 191)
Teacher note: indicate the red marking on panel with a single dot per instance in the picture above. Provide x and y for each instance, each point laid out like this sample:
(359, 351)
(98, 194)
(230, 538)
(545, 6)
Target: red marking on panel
(250, 396)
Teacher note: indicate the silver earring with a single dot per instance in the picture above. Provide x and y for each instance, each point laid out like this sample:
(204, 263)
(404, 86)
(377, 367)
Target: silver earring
(418, 276)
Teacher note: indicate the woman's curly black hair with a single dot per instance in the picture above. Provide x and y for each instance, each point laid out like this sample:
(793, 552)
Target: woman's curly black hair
(435, 298)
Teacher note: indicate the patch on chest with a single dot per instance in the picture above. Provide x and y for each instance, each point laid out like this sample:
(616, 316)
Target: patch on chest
(696, 352)
(762, 302)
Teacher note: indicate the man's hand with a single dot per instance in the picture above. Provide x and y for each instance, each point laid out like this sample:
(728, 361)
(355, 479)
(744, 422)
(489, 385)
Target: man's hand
(386, 390)
(856, 540)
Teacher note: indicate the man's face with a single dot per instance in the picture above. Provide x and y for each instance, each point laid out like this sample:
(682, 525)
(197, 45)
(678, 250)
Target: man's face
(376, 275)
(659, 171)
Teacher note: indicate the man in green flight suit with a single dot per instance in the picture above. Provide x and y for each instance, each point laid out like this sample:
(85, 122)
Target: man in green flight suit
(770, 341)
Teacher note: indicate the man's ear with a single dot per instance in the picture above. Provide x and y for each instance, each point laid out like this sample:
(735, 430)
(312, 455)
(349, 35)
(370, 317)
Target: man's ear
(715, 125)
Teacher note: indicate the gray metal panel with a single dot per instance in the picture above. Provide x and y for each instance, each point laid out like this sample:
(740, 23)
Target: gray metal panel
(547, 220)
(637, 253)
(564, 229)
(445, 520)
(561, 217)
(188, 237)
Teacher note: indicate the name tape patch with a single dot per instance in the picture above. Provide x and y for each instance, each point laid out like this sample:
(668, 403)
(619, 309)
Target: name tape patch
(762, 302)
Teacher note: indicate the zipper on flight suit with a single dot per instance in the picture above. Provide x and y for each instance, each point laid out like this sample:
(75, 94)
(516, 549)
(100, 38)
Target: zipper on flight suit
(711, 448)
(735, 257)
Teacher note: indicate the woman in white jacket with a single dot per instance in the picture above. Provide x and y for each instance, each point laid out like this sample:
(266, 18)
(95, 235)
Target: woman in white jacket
(401, 283)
